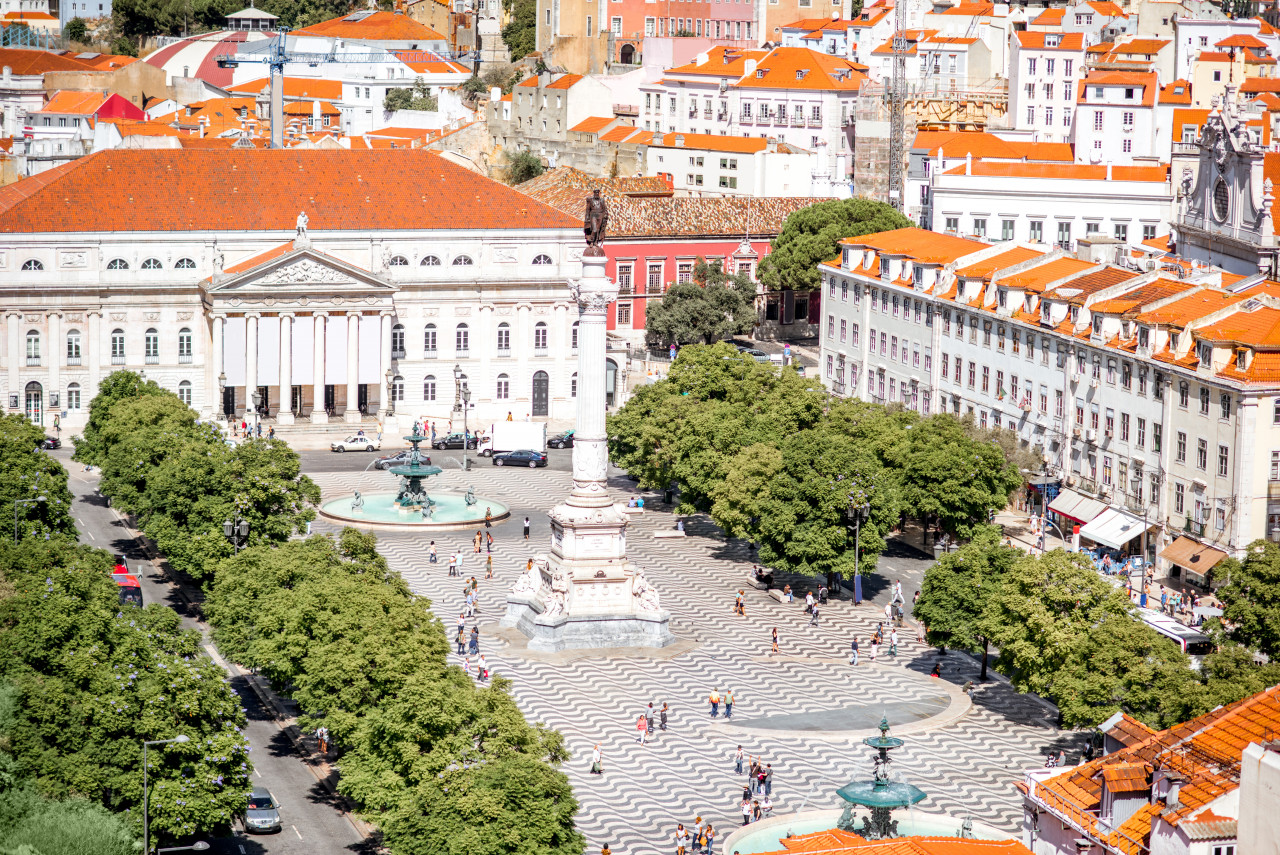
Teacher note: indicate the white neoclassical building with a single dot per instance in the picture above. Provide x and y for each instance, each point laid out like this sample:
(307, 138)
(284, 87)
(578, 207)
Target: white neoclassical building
(338, 285)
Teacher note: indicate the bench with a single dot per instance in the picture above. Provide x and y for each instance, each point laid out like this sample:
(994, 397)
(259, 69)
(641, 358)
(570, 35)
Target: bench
(669, 533)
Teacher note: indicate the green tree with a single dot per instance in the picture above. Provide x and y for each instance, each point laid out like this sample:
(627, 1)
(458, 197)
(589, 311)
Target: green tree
(71, 827)
(521, 33)
(416, 97)
(76, 30)
(118, 386)
(949, 476)
(956, 591)
(713, 306)
(95, 679)
(26, 475)
(521, 166)
(139, 435)
(1251, 597)
(812, 235)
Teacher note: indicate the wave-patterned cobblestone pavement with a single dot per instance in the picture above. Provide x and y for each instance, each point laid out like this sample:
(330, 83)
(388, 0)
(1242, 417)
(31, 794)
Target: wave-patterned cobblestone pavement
(968, 767)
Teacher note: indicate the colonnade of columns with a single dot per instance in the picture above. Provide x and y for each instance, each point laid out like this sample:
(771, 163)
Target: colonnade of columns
(320, 322)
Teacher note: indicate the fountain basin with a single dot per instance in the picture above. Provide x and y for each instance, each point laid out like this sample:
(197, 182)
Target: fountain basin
(381, 511)
(767, 835)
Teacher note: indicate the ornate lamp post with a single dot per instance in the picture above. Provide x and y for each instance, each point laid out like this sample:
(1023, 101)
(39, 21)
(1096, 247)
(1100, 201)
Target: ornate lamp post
(463, 397)
(146, 839)
(236, 531)
(859, 511)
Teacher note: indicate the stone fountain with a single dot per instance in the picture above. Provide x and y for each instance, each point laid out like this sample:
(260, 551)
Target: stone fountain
(880, 795)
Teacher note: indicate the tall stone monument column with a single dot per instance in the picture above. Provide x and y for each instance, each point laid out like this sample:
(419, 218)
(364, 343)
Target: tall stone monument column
(584, 593)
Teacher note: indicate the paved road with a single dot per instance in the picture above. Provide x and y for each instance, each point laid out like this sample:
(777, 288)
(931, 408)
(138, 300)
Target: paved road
(313, 462)
(313, 824)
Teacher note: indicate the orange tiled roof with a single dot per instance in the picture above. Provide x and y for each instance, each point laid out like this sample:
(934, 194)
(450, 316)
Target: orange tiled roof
(1128, 730)
(836, 841)
(627, 133)
(564, 81)
(1030, 39)
(1259, 328)
(29, 16)
(294, 87)
(1188, 116)
(1252, 85)
(801, 68)
(261, 258)
(715, 142)
(971, 9)
(1108, 8)
(1037, 278)
(1181, 312)
(1008, 258)
(592, 124)
(74, 103)
(1160, 289)
(1049, 18)
(426, 62)
(1065, 171)
(1213, 56)
(918, 244)
(1148, 80)
(1241, 40)
(106, 61)
(1126, 777)
(128, 190)
(26, 63)
(1264, 367)
(721, 62)
(983, 144)
(372, 26)
(304, 108)
(1177, 92)
(1160, 242)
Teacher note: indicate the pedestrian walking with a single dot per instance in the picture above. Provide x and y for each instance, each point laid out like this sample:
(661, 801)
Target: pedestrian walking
(738, 607)
(431, 553)
(711, 839)
(853, 660)
(605, 850)
(737, 760)
(875, 648)
(760, 778)
(813, 617)
(728, 704)
(474, 644)
(483, 668)
(755, 810)
(322, 734)
(662, 717)
(745, 807)
(526, 528)
(488, 517)
(596, 767)
(893, 642)
(488, 542)
(453, 565)
(714, 700)
(768, 779)
(642, 729)
(897, 593)
(648, 719)
(476, 541)
(461, 641)
(488, 566)
(808, 602)
(681, 838)
(774, 633)
(466, 666)
(888, 612)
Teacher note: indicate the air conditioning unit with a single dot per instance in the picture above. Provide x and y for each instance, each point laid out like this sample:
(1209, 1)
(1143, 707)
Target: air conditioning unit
(1092, 436)
(1093, 384)
(1075, 378)
(1072, 480)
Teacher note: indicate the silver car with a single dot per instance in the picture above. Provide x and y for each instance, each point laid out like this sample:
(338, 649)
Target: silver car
(263, 812)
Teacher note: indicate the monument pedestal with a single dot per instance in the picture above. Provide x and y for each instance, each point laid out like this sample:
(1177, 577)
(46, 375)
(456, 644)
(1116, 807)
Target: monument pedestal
(585, 593)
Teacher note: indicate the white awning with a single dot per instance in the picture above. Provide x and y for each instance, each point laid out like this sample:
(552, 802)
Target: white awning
(1113, 528)
(1080, 508)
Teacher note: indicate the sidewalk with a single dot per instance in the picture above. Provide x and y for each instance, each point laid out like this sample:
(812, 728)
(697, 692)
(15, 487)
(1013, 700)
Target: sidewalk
(1017, 529)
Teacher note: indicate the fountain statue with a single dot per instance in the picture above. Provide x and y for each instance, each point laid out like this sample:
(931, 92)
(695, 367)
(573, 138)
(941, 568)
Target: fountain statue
(412, 495)
(879, 794)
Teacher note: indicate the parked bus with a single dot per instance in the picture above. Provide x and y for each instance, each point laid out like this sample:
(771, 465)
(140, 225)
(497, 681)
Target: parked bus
(1195, 644)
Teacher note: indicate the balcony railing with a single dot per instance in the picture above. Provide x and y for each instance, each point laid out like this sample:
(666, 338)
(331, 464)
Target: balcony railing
(152, 359)
(398, 354)
(73, 360)
(430, 353)
(184, 359)
(463, 352)
(504, 352)
(33, 360)
(745, 119)
(1193, 528)
(797, 121)
(541, 351)
(815, 121)
(117, 360)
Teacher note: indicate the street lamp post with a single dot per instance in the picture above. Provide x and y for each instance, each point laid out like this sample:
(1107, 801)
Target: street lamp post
(146, 839)
(859, 509)
(198, 846)
(256, 398)
(15, 512)
(236, 531)
(464, 397)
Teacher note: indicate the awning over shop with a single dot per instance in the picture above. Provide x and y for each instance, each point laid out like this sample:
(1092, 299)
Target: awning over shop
(1073, 505)
(1193, 555)
(1113, 528)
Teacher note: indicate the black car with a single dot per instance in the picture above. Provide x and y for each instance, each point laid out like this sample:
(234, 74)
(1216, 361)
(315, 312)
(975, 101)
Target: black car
(454, 440)
(50, 443)
(532, 459)
(561, 440)
(400, 458)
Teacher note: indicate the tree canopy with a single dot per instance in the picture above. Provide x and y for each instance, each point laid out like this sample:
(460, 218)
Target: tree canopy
(522, 166)
(713, 306)
(812, 235)
(1251, 597)
(520, 35)
(415, 97)
(28, 474)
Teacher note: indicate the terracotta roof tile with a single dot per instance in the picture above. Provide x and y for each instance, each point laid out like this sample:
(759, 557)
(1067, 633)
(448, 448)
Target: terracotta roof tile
(1049, 18)
(1105, 7)
(971, 9)
(983, 144)
(592, 124)
(372, 26)
(261, 258)
(1264, 367)
(918, 245)
(1160, 289)
(1008, 258)
(1259, 328)
(1260, 84)
(74, 103)
(26, 63)
(1182, 312)
(1037, 278)
(1241, 40)
(219, 190)
(564, 81)
(721, 62)
(715, 142)
(1126, 777)
(1064, 171)
(1177, 92)
(1034, 40)
(801, 68)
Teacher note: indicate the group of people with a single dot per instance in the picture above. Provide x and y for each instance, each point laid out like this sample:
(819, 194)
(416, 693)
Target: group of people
(469, 645)
(715, 699)
(701, 838)
(649, 721)
(757, 792)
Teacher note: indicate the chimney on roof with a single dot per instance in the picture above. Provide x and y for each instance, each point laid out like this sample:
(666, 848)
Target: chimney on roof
(749, 66)
(968, 163)
(679, 141)
(772, 144)
(1083, 846)
(544, 79)
(1108, 170)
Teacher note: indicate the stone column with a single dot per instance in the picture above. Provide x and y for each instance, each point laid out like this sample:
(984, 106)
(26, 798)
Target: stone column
(352, 414)
(93, 358)
(57, 351)
(318, 414)
(219, 323)
(285, 415)
(15, 353)
(250, 361)
(590, 450)
(384, 364)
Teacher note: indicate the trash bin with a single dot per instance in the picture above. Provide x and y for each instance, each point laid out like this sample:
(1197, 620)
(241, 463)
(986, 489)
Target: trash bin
(668, 496)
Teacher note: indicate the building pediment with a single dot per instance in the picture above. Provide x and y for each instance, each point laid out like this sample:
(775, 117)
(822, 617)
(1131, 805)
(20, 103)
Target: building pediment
(298, 272)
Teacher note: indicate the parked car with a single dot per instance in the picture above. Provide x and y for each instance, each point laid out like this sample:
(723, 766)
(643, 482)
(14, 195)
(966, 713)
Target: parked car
(757, 355)
(454, 440)
(561, 440)
(532, 459)
(358, 442)
(50, 443)
(400, 458)
(263, 811)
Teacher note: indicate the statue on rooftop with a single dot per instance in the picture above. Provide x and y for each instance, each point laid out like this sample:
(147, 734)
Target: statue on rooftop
(303, 219)
(595, 220)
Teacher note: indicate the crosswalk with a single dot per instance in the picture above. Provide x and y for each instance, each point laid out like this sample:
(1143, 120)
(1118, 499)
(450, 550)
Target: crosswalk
(968, 767)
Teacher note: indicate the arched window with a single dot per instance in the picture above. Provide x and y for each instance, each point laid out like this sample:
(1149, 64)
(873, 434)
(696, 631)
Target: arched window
(33, 347)
(540, 336)
(430, 261)
(185, 346)
(504, 339)
(117, 347)
(573, 385)
(73, 347)
(33, 264)
(399, 261)
(504, 387)
(185, 264)
(429, 388)
(542, 259)
(429, 340)
(73, 396)
(573, 336)
(117, 264)
(397, 389)
(462, 339)
(462, 261)
(184, 392)
(152, 264)
(152, 345)
(397, 341)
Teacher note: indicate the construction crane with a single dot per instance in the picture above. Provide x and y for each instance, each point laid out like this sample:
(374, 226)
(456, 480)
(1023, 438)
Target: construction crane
(278, 55)
(898, 105)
